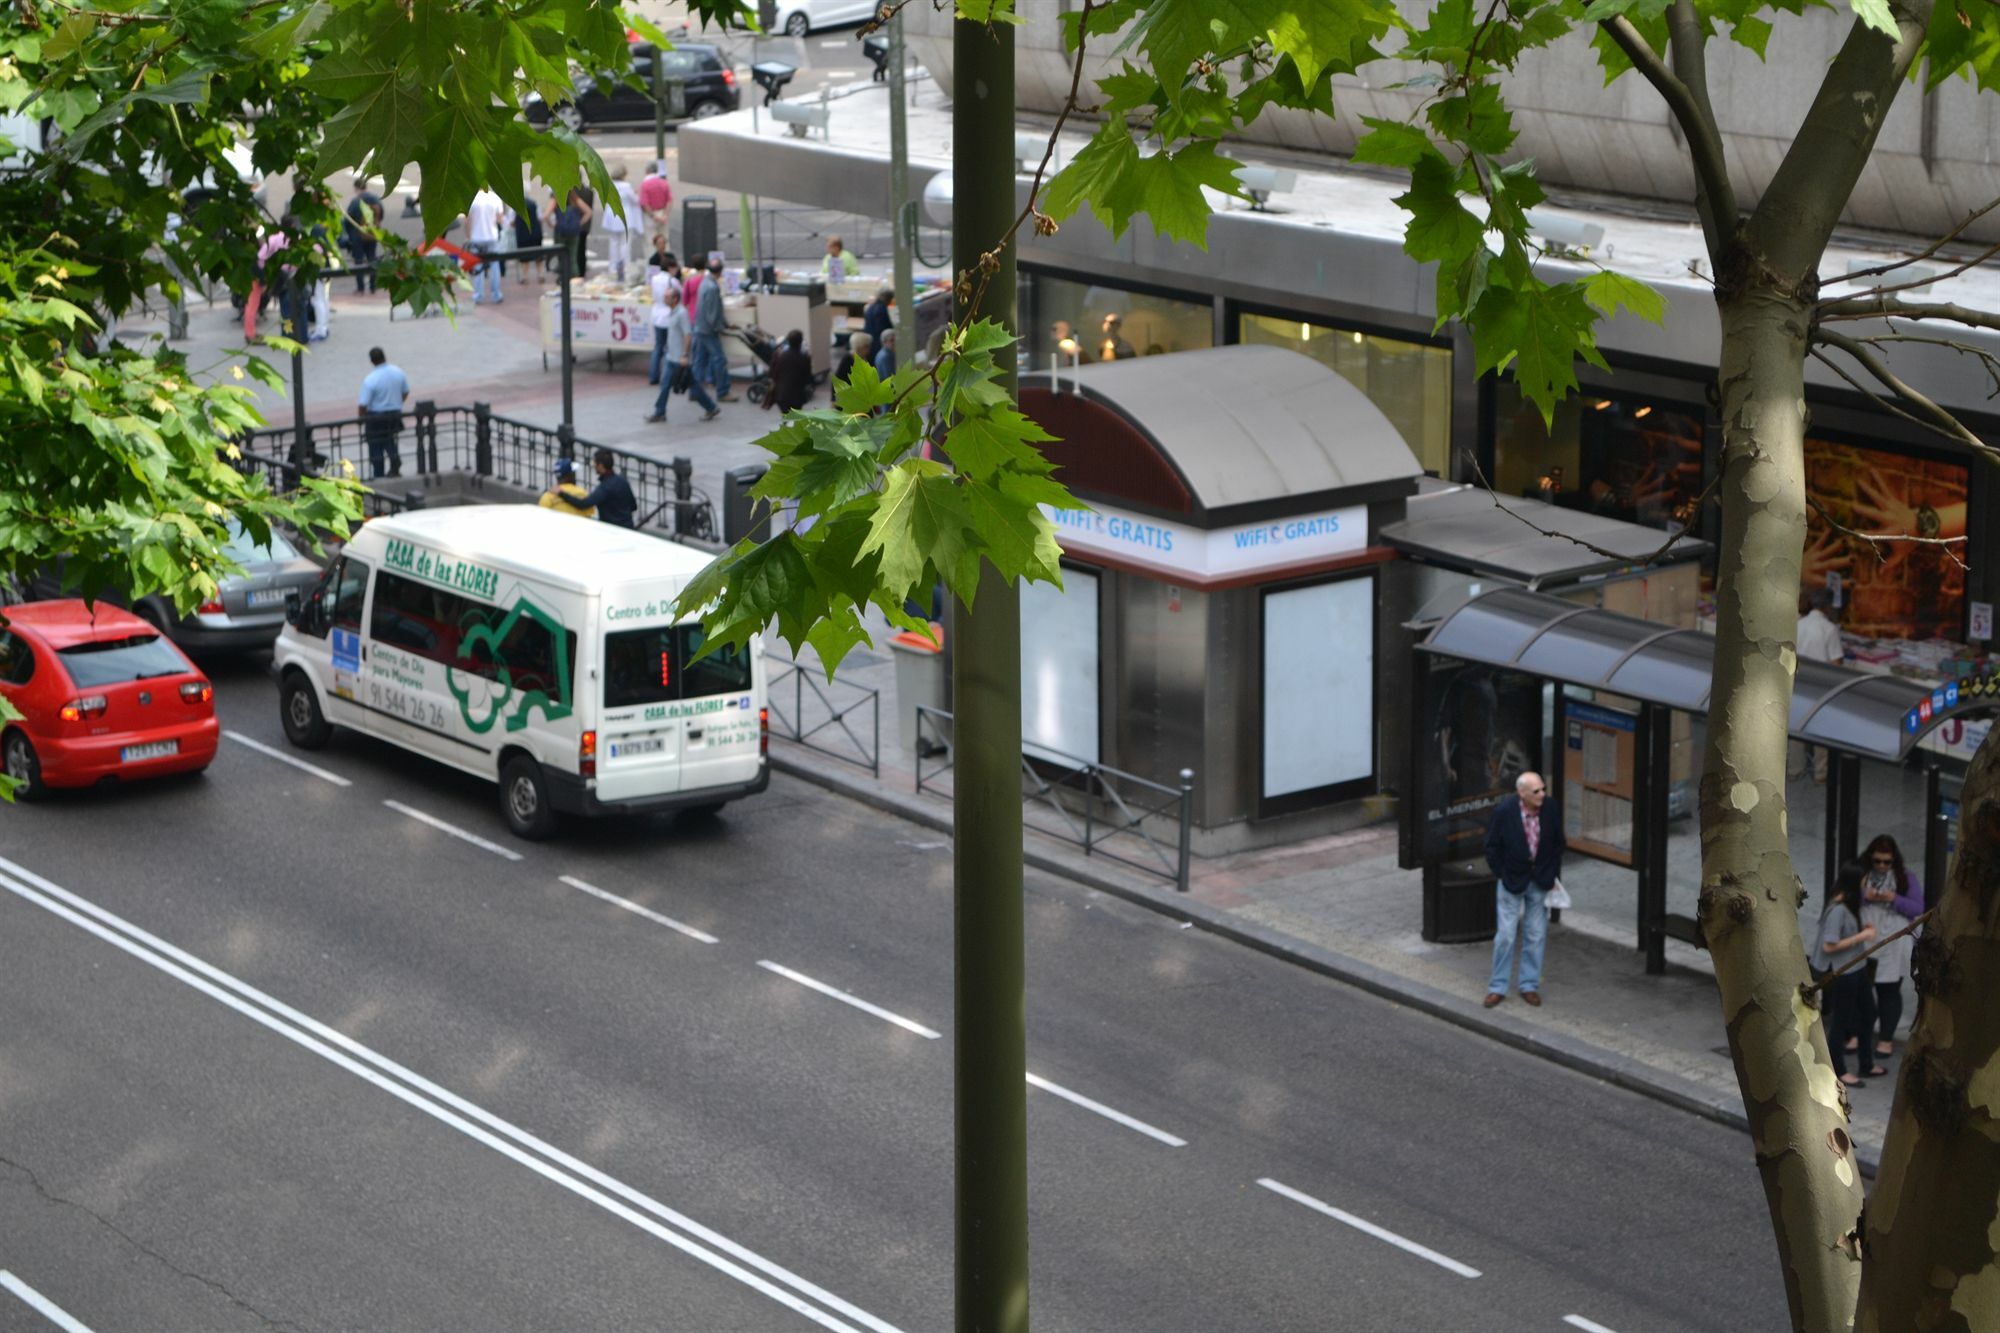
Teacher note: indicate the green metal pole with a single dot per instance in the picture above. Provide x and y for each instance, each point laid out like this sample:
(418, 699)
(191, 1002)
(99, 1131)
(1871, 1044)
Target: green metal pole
(899, 193)
(990, 1049)
(659, 106)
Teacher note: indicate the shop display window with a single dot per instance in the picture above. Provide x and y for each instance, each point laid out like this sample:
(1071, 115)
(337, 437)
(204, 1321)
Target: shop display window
(1908, 590)
(1409, 381)
(1089, 323)
(1628, 458)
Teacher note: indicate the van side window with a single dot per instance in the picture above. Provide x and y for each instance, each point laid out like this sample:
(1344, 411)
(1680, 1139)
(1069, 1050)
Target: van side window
(473, 637)
(350, 587)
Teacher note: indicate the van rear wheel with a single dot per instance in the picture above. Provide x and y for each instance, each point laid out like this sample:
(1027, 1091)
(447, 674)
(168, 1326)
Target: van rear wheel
(298, 707)
(524, 799)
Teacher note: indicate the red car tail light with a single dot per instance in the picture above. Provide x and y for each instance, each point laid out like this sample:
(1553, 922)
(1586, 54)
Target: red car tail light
(586, 755)
(209, 608)
(763, 731)
(196, 691)
(90, 707)
(728, 77)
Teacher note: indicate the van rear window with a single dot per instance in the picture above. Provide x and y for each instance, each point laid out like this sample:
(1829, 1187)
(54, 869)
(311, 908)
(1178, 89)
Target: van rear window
(654, 666)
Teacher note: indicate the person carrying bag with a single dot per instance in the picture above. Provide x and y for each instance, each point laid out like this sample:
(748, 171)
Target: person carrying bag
(1842, 939)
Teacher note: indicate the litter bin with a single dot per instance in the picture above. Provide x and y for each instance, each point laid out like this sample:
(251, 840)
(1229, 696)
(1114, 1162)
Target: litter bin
(699, 232)
(1458, 903)
(740, 512)
(920, 679)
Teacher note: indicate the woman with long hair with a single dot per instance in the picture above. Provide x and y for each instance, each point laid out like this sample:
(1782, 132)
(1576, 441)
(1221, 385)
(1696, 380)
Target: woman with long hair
(1891, 897)
(1841, 939)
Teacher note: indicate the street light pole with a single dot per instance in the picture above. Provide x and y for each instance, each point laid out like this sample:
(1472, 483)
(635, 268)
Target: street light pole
(563, 258)
(899, 190)
(990, 1047)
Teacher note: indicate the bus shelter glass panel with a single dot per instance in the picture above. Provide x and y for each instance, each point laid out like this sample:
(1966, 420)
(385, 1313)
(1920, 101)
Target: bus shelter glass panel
(1319, 686)
(1059, 667)
(1409, 381)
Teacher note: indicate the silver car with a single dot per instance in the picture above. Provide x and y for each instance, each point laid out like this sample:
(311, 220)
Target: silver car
(246, 612)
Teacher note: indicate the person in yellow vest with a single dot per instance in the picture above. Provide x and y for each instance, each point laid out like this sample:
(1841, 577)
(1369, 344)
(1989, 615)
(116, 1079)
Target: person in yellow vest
(566, 496)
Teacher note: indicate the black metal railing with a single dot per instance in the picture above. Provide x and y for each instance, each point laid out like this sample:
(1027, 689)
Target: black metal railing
(474, 446)
(1108, 812)
(820, 721)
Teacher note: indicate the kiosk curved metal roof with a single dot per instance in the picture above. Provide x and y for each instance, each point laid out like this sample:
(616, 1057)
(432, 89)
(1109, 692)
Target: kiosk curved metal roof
(1857, 711)
(1246, 426)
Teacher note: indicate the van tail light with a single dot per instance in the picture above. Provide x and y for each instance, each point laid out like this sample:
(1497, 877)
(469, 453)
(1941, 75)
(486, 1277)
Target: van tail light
(763, 731)
(209, 608)
(586, 755)
(196, 691)
(86, 709)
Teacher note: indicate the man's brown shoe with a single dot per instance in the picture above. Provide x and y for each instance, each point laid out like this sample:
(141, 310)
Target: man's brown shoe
(1532, 998)
(1492, 999)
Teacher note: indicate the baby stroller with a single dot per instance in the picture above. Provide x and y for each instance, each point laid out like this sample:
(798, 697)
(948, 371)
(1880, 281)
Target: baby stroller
(762, 347)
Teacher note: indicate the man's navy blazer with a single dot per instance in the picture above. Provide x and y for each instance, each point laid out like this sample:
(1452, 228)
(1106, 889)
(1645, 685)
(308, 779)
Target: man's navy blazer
(1507, 847)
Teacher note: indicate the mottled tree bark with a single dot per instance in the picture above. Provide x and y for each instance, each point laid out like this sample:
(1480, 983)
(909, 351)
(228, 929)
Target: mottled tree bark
(1750, 892)
(1932, 1239)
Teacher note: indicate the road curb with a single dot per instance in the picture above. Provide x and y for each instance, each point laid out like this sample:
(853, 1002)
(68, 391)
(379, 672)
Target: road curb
(1584, 1057)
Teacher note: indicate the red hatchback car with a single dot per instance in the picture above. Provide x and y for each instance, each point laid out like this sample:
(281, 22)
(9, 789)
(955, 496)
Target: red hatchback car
(102, 694)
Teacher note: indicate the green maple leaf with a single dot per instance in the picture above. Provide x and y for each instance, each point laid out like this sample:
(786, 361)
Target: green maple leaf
(1478, 119)
(919, 522)
(1440, 228)
(1876, 14)
(387, 121)
(1014, 532)
(1319, 34)
(1003, 438)
(863, 390)
(1609, 291)
(1393, 143)
(1539, 331)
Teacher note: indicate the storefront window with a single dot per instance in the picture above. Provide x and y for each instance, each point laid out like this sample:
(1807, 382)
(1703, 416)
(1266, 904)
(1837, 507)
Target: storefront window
(1910, 591)
(1625, 458)
(1099, 323)
(1409, 381)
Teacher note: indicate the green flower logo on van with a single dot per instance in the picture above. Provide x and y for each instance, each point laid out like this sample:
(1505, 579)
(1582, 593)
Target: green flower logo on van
(487, 692)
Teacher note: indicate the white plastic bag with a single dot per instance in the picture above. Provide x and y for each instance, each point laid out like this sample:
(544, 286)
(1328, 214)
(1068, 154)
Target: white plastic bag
(1558, 897)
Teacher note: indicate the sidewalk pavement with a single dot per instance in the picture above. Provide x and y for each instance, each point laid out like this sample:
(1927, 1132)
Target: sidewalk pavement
(1338, 904)
(1341, 906)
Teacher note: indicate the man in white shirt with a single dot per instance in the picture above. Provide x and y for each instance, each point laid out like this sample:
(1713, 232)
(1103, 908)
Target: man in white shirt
(673, 347)
(1818, 640)
(484, 217)
(618, 225)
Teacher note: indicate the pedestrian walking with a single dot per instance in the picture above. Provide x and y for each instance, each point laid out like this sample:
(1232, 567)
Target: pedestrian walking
(673, 350)
(1842, 937)
(485, 219)
(621, 222)
(1891, 898)
(710, 365)
(612, 496)
(885, 355)
(656, 197)
(357, 236)
(1524, 850)
(791, 374)
(528, 236)
(383, 392)
(569, 223)
(566, 495)
(879, 314)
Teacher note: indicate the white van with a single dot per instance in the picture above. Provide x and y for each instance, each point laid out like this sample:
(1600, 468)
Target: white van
(534, 648)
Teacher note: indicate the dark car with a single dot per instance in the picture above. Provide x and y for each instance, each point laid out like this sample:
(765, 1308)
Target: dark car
(708, 82)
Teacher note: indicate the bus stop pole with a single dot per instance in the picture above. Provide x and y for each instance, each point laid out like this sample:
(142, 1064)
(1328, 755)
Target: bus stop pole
(563, 259)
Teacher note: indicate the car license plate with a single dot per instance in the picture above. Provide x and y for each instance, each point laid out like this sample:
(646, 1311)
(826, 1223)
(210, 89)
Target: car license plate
(267, 596)
(132, 754)
(646, 745)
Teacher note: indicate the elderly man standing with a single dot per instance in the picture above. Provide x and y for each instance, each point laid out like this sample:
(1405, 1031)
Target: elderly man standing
(1524, 848)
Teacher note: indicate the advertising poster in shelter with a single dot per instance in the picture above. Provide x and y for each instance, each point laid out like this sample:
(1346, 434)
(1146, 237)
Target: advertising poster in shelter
(1481, 729)
(1599, 753)
(1910, 590)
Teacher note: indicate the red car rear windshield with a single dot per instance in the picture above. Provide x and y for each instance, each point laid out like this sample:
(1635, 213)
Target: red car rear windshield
(114, 661)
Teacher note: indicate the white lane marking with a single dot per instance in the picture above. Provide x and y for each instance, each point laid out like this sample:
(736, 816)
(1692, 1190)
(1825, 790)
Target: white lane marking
(839, 73)
(41, 1304)
(833, 41)
(331, 1038)
(1587, 1325)
(453, 829)
(845, 998)
(1037, 1081)
(1362, 1224)
(284, 758)
(648, 913)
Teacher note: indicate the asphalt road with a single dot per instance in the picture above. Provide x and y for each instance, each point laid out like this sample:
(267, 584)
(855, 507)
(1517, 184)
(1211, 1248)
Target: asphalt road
(274, 1052)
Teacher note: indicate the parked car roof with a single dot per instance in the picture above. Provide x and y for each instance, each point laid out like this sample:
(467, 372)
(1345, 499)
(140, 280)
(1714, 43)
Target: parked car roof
(70, 620)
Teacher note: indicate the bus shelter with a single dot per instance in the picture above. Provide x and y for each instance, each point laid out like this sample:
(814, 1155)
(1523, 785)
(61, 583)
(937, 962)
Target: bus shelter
(1513, 680)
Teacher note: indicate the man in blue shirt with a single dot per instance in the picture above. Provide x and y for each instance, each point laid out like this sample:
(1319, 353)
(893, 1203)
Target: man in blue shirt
(383, 394)
(885, 355)
(612, 496)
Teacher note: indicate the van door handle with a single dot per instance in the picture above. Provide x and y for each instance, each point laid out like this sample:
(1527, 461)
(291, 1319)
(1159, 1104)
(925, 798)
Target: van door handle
(694, 735)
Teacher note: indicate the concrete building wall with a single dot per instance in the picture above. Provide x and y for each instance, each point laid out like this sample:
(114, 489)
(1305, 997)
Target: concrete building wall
(1617, 140)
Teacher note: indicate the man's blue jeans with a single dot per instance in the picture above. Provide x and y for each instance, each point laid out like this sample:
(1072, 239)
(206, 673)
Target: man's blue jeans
(486, 278)
(710, 365)
(1527, 913)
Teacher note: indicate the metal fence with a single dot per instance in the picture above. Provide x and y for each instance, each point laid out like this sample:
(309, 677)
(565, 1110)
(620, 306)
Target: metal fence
(818, 721)
(1108, 812)
(473, 445)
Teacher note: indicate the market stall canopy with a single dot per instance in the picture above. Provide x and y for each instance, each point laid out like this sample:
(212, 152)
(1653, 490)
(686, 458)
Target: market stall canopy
(1222, 435)
(1860, 712)
(1461, 527)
